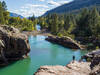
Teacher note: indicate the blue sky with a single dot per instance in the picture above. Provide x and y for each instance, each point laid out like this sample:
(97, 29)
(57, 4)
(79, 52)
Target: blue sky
(29, 7)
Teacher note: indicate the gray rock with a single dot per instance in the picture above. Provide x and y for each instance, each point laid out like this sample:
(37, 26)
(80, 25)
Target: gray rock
(64, 41)
(91, 55)
(95, 65)
(10, 29)
(13, 44)
(76, 68)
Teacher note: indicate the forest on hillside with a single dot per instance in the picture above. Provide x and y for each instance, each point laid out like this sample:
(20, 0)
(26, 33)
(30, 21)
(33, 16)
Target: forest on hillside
(23, 24)
(84, 25)
(75, 6)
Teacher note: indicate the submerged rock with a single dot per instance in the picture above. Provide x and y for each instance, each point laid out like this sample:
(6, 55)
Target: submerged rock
(65, 41)
(76, 68)
(13, 44)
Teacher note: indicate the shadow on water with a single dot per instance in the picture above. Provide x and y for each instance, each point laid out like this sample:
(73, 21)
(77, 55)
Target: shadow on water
(10, 64)
(20, 67)
(14, 62)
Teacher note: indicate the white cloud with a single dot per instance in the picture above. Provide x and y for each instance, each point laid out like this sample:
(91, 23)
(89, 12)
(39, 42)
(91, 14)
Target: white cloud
(63, 2)
(58, 3)
(38, 9)
(51, 2)
(35, 6)
(30, 9)
(42, 0)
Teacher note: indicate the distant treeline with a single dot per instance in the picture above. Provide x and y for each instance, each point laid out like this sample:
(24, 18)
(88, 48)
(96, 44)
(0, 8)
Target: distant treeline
(22, 24)
(84, 24)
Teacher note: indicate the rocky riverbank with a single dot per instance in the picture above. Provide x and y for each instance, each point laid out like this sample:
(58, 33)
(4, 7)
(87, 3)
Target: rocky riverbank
(95, 65)
(74, 68)
(13, 45)
(91, 55)
(65, 41)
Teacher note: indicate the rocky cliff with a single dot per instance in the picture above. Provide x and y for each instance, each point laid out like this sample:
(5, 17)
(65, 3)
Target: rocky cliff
(13, 45)
(95, 65)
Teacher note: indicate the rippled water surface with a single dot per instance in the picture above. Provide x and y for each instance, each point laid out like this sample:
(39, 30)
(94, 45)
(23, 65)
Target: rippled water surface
(42, 53)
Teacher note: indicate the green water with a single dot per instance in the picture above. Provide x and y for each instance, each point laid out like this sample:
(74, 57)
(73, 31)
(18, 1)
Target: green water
(42, 53)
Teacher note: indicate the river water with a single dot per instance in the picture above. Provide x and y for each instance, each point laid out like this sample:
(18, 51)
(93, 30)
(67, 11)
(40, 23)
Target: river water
(42, 53)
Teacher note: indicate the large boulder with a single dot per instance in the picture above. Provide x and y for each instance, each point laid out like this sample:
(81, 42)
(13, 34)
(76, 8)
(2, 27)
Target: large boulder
(13, 44)
(94, 58)
(64, 41)
(95, 65)
(89, 56)
(96, 70)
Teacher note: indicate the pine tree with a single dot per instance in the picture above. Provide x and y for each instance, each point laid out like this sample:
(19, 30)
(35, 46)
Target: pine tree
(67, 20)
(49, 21)
(94, 22)
(83, 28)
(6, 16)
(1, 14)
(4, 6)
(54, 25)
(32, 18)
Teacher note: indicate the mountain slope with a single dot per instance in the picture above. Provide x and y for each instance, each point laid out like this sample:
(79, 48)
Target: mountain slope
(74, 6)
(15, 15)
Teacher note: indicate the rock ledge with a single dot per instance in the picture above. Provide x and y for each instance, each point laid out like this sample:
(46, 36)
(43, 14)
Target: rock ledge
(76, 68)
(65, 41)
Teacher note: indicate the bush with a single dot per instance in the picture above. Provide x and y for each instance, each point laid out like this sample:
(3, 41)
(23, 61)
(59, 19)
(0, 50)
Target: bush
(97, 47)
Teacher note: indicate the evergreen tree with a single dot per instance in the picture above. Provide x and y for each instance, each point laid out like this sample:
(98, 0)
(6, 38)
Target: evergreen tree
(67, 20)
(83, 28)
(54, 24)
(32, 18)
(49, 22)
(1, 14)
(4, 6)
(94, 22)
(6, 16)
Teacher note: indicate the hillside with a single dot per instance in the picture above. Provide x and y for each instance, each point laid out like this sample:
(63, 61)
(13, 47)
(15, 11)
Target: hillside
(74, 6)
(15, 15)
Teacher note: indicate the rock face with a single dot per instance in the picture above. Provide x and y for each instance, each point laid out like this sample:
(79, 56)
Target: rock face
(96, 70)
(91, 55)
(76, 68)
(64, 41)
(13, 44)
(95, 65)
(94, 58)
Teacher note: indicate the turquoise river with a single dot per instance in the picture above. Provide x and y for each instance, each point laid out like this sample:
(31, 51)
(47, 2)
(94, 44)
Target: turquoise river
(42, 53)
